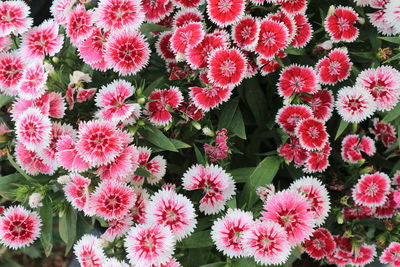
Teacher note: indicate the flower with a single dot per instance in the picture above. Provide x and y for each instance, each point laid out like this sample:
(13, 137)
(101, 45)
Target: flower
(293, 151)
(89, 252)
(320, 244)
(19, 227)
(297, 79)
(42, 40)
(156, 166)
(321, 104)
(220, 150)
(85, 94)
(14, 17)
(383, 84)
(11, 71)
(33, 129)
(185, 4)
(209, 97)
(163, 47)
(186, 16)
(353, 145)
(371, 190)
(289, 116)
(318, 161)
(33, 81)
(31, 162)
(340, 25)
(79, 24)
(161, 102)
(92, 49)
(112, 200)
(312, 134)
(138, 212)
(127, 52)
(267, 241)
(384, 131)
(118, 14)
(117, 228)
(186, 36)
(388, 209)
(35, 200)
(77, 191)
(228, 231)
(273, 37)
(214, 181)
(149, 244)
(303, 31)
(392, 16)
(198, 55)
(292, 211)
(174, 210)
(294, 6)
(355, 104)
(266, 65)
(225, 12)
(226, 67)
(287, 20)
(363, 255)
(391, 254)
(60, 9)
(335, 67)
(68, 156)
(156, 10)
(99, 142)
(245, 33)
(316, 194)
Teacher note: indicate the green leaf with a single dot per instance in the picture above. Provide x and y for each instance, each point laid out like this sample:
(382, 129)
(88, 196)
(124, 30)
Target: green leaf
(215, 264)
(263, 174)
(153, 86)
(5, 99)
(16, 166)
(241, 175)
(256, 100)
(157, 138)
(295, 51)
(342, 127)
(179, 144)
(395, 40)
(198, 240)
(9, 183)
(147, 28)
(144, 172)
(392, 114)
(228, 113)
(396, 57)
(244, 262)
(231, 203)
(237, 125)
(67, 228)
(199, 156)
(46, 214)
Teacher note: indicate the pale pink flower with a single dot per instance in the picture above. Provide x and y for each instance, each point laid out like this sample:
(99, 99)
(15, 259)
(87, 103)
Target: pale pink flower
(14, 17)
(89, 252)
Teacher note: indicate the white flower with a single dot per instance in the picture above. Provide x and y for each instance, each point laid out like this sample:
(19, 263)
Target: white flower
(35, 200)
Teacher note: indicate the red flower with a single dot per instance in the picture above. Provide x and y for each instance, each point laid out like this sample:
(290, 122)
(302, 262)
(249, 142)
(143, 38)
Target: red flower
(160, 102)
(318, 161)
(384, 131)
(156, 10)
(293, 6)
(297, 79)
(353, 145)
(184, 17)
(79, 24)
(273, 37)
(312, 134)
(190, 109)
(245, 33)
(225, 12)
(334, 68)
(210, 97)
(320, 244)
(371, 190)
(197, 56)
(287, 20)
(304, 31)
(186, 36)
(289, 116)
(340, 25)
(163, 47)
(293, 151)
(321, 104)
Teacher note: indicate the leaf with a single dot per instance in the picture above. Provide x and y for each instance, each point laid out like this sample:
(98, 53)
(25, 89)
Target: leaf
(263, 174)
(231, 203)
(215, 264)
(8, 184)
(392, 114)
(198, 240)
(157, 138)
(396, 57)
(179, 144)
(153, 86)
(295, 51)
(144, 172)
(241, 175)
(342, 127)
(16, 166)
(228, 112)
(256, 100)
(244, 262)
(67, 228)
(237, 125)
(395, 40)
(199, 156)
(46, 214)
(147, 28)
(5, 99)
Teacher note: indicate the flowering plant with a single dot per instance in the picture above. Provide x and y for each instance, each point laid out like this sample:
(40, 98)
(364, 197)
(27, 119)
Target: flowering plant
(201, 133)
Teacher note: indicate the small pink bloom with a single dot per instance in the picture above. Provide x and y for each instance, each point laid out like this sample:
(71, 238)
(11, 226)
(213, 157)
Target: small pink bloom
(312, 134)
(92, 49)
(33, 81)
(340, 25)
(391, 255)
(384, 131)
(371, 190)
(321, 104)
(156, 10)
(353, 145)
(318, 161)
(225, 12)
(273, 37)
(14, 17)
(60, 10)
(198, 55)
(79, 24)
(160, 103)
(77, 191)
(117, 228)
(11, 71)
(210, 97)
(293, 151)
(335, 67)
(363, 255)
(287, 20)
(68, 156)
(138, 211)
(297, 79)
(85, 94)
(31, 162)
(186, 36)
(88, 250)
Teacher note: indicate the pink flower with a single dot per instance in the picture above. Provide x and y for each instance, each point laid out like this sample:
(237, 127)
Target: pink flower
(119, 14)
(185, 4)
(266, 65)
(392, 15)
(335, 67)
(186, 16)
(33, 81)
(321, 104)
(294, 6)
(292, 211)
(156, 166)
(353, 145)
(228, 231)
(138, 212)
(274, 36)
(217, 185)
(293, 151)
(391, 254)
(31, 162)
(316, 194)
(92, 49)
(111, 99)
(160, 103)
(371, 190)
(19, 227)
(11, 71)
(245, 33)
(268, 242)
(174, 210)
(41, 41)
(88, 250)
(312, 134)
(60, 10)
(220, 150)
(112, 200)
(320, 244)
(396, 178)
(287, 20)
(384, 131)
(355, 104)
(14, 17)
(364, 255)
(191, 111)
(77, 191)
(198, 55)
(340, 25)
(163, 47)
(149, 244)
(297, 79)
(99, 142)
(289, 116)
(68, 156)
(127, 52)
(388, 209)
(383, 84)
(156, 10)
(318, 161)
(225, 12)
(117, 228)
(5, 43)
(209, 97)
(186, 36)
(85, 94)
(33, 129)
(79, 24)
(226, 67)
(303, 31)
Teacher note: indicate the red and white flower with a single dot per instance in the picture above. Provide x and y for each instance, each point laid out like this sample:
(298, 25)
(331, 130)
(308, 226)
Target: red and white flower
(89, 252)
(371, 190)
(391, 254)
(289, 116)
(320, 244)
(384, 131)
(245, 33)
(274, 36)
(11, 71)
(303, 31)
(33, 81)
(14, 17)
(297, 79)
(321, 104)
(353, 145)
(156, 10)
(340, 25)
(312, 134)
(225, 12)
(161, 101)
(335, 67)
(198, 56)
(209, 97)
(79, 24)
(77, 191)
